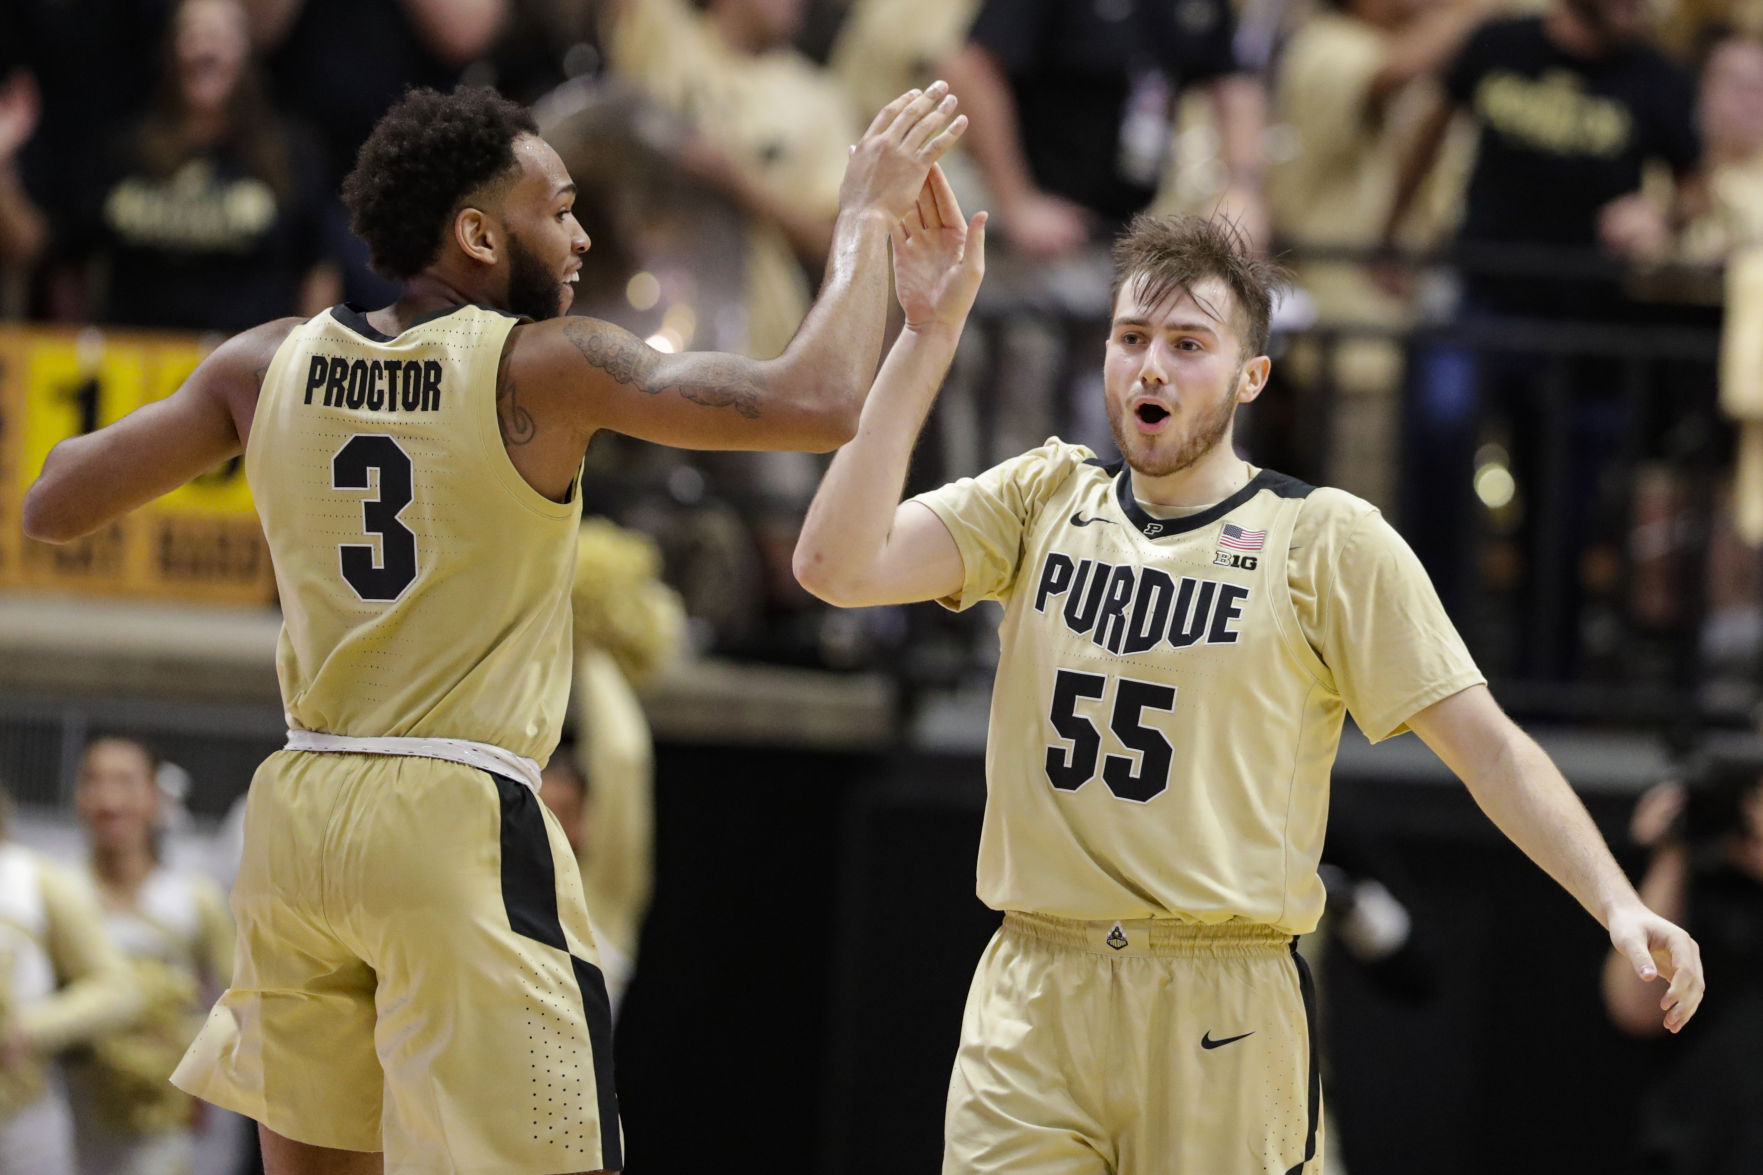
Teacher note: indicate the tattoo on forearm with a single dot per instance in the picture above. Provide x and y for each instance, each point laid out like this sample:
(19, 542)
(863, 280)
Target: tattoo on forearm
(718, 381)
(516, 423)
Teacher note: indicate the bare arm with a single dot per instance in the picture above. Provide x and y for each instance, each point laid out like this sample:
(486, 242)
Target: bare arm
(594, 375)
(1522, 792)
(24, 230)
(87, 481)
(1417, 166)
(860, 545)
(457, 31)
(974, 75)
(1239, 103)
(1425, 47)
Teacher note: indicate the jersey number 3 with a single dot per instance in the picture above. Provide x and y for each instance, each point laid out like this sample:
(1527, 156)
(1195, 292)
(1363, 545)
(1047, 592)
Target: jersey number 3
(384, 578)
(1070, 767)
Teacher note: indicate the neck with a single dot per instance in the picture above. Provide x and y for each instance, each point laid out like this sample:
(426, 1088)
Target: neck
(428, 291)
(1217, 475)
(124, 868)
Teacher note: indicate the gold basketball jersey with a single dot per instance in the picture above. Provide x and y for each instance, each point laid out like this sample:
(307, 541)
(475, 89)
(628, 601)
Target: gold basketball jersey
(424, 583)
(1170, 691)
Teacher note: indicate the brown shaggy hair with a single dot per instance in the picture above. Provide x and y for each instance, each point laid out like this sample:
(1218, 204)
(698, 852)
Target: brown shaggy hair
(1164, 254)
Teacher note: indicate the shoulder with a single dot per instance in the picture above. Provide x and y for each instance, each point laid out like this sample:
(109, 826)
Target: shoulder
(1329, 519)
(1055, 463)
(537, 349)
(240, 363)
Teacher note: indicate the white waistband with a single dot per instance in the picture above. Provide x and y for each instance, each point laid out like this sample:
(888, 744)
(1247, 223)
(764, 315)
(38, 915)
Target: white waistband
(483, 756)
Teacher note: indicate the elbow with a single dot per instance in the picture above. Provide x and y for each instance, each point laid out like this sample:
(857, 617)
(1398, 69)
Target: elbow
(814, 571)
(834, 427)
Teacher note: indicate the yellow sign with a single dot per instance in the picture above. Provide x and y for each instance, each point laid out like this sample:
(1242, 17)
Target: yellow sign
(201, 541)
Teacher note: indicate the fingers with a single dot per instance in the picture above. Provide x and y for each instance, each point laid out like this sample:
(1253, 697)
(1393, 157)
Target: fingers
(948, 208)
(916, 110)
(930, 126)
(885, 117)
(1633, 947)
(937, 147)
(1684, 995)
(975, 257)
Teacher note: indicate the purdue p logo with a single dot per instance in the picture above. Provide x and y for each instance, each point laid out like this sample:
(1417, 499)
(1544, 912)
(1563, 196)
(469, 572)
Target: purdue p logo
(1116, 938)
(1153, 528)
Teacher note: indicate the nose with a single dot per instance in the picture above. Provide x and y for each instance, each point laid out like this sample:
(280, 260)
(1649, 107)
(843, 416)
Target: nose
(1152, 370)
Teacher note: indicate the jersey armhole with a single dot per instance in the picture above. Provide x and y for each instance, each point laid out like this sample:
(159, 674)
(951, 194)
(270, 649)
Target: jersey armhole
(489, 430)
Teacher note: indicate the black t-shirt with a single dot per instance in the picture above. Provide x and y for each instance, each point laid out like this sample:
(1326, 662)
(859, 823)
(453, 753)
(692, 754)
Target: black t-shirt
(1561, 136)
(1075, 65)
(211, 247)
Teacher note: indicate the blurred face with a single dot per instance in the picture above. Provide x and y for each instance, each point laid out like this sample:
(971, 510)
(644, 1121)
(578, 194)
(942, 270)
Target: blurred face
(545, 242)
(211, 44)
(116, 797)
(1732, 97)
(1173, 374)
(563, 794)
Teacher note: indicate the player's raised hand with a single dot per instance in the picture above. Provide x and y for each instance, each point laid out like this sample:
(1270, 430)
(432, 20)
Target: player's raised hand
(939, 258)
(889, 164)
(1655, 948)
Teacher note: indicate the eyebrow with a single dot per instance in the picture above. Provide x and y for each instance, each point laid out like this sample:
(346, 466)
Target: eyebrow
(1193, 327)
(566, 190)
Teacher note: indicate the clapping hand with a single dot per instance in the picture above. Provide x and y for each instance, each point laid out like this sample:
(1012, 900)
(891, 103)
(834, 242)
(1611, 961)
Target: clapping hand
(939, 258)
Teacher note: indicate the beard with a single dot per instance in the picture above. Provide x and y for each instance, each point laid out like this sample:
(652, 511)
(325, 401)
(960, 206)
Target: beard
(1202, 436)
(533, 290)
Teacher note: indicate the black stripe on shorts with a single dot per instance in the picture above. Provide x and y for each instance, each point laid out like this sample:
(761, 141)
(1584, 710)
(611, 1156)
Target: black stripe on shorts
(1307, 988)
(529, 893)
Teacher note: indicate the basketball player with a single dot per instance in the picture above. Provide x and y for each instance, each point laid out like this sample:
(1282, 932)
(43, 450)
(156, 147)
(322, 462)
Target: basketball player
(173, 927)
(415, 973)
(1181, 638)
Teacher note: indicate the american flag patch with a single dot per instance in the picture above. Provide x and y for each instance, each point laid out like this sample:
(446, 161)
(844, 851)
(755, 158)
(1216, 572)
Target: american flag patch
(1238, 539)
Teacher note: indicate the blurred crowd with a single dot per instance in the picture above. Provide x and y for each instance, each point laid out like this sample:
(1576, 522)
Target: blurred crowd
(1588, 168)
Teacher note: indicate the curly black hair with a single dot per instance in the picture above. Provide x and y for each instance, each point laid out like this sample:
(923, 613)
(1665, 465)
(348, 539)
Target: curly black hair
(425, 156)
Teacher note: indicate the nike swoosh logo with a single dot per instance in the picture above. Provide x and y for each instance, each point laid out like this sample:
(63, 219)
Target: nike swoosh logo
(1080, 520)
(1206, 1041)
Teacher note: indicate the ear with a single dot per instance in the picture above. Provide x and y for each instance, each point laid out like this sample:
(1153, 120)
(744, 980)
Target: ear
(478, 236)
(1254, 378)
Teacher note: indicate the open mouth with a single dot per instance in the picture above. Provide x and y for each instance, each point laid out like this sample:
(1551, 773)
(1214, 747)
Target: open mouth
(1150, 413)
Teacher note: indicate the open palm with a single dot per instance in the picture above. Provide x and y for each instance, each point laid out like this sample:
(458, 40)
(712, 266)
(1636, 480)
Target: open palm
(939, 258)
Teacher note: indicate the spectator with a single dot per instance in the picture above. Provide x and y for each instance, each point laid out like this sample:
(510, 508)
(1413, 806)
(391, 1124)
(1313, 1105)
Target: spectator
(174, 929)
(1073, 104)
(769, 131)
(62, 982)
(206, 215)
(1353, 84)
(1570, 108)
(1732, 127)
(340, 64)
(1703, 1113)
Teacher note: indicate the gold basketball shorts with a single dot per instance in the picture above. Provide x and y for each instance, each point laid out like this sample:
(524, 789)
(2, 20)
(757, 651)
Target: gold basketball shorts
(415, 973)
(1135, 1047)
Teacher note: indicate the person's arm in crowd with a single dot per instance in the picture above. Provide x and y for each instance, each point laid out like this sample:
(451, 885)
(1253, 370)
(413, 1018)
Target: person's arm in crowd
(24, 230)
(1423, 153)
(88, 480)
(1239, 105)
(1422, 49)
(1630, 1001)
(97, 991)
(1520, 789)
(1038, 224)
(592, 375)
(860, 545)
(457, 31)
